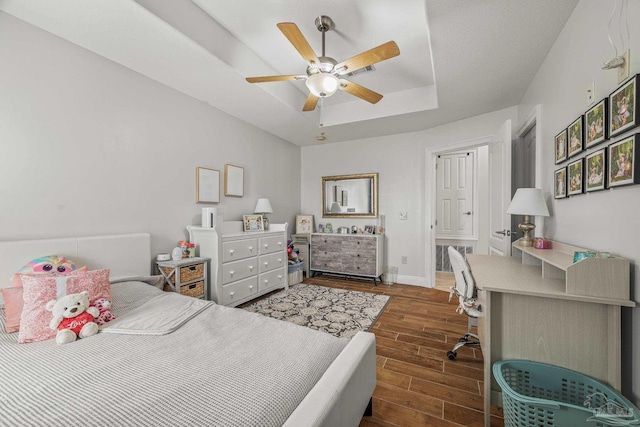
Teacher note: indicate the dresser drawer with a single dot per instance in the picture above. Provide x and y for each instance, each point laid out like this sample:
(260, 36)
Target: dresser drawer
(187, 273)
(272, 244)
(239, 249)
(271, 279)
(326, 244)
(239, 290)
(195, 290)
(237, 270)
(271, 261)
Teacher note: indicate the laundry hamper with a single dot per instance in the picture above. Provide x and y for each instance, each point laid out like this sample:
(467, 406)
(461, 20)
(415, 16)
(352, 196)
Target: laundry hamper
(537, 394)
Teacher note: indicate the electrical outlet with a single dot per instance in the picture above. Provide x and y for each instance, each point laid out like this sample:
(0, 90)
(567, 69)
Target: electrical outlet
(591, 93)
(403, 216)
(623, 72)
(404, 259)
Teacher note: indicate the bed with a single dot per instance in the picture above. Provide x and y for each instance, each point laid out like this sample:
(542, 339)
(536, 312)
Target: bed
(220, 367)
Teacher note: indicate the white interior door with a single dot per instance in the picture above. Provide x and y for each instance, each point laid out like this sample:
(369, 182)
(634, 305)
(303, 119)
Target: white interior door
(500, 191)
(454, 195)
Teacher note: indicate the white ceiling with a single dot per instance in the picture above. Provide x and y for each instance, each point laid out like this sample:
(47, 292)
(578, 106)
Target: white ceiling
(457, 58)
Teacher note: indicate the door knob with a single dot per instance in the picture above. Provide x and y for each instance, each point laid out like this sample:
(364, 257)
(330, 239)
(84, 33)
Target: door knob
(466, 213)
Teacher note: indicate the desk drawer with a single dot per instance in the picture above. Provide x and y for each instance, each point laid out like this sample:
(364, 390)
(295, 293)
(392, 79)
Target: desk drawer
(271, 261)
(239, 249)
(272, 244)
(237, 270)
(239, 290)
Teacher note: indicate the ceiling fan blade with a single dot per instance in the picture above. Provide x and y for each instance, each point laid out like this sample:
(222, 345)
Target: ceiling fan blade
(361, 92)
(295, 37)
(372, 56)
(265, 79)
(310, 103)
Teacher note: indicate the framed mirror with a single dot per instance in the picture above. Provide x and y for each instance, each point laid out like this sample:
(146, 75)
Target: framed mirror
(350, 196)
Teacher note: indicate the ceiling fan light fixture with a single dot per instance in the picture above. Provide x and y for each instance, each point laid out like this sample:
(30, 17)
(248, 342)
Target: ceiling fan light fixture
(323, 85)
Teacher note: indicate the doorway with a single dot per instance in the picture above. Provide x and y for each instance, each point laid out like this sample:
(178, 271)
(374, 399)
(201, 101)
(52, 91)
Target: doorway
(523, 174)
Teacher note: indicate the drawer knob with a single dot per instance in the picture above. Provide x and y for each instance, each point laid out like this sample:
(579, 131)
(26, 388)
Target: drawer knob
(231, 251)
(250, 248)
(279, 276)
(251, 287)
(358, 255)
(279, 259)
(231, 294)
(192, 268)
(231, 273)
(266, 281)
(279, 243)
(251, 268)
(266, 245)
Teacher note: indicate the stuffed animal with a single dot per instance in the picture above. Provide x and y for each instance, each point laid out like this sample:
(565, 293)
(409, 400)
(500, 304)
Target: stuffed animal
(104, 307)
(73, 317)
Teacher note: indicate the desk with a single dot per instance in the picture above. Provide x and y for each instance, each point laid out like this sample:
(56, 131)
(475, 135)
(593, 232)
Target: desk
(532, 308)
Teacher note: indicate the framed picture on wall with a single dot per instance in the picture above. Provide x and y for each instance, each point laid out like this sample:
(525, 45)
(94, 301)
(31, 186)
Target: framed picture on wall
(624, 168)
(576, 137)
(233, 181)
(596, 170)
(596, 124)
(560, 183)
(623, 104)
(561, 146)
(575, 178)
(207, 185)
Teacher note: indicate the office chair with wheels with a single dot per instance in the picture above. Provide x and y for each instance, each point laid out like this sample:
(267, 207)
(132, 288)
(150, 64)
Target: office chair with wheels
(464, 291)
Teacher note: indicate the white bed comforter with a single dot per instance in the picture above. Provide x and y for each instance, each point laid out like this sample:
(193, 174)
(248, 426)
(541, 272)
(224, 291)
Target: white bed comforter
(224, 367)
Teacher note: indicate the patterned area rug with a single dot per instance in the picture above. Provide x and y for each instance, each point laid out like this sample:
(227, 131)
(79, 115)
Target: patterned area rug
(339, 312)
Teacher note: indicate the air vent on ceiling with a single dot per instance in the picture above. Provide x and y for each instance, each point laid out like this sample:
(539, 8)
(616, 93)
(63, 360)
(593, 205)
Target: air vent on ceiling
(366, 69)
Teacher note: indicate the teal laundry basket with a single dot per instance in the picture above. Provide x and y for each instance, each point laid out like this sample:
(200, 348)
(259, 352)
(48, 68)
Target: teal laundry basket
(537, 394)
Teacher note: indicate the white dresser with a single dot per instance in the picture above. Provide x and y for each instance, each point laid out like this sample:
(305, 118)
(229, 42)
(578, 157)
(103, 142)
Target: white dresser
(348, 254)
(244, 265)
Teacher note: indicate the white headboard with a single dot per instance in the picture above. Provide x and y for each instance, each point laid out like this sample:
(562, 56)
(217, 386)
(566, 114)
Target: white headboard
(123, 254)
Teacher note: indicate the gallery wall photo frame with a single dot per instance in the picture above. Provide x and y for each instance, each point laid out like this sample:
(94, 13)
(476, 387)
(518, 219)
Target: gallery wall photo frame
(561, 146)
(624, 162)
(623, 107)
(233, 180)
(575, 178)
(253, 222)
(575, 137)
(560, 183)
(595, 165)
(596, 123)
(207, 185)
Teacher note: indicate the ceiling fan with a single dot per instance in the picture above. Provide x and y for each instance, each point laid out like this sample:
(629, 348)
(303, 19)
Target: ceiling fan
(324, 73)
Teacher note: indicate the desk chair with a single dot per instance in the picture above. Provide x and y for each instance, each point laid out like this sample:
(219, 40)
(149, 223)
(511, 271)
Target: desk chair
(464, 291)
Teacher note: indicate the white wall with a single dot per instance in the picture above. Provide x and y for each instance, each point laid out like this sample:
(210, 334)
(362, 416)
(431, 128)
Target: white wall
(90, 147)
(400, 162)
(606, 220)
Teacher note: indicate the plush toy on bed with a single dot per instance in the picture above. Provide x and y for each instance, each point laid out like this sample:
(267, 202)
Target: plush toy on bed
(73, 317)
(104, 307)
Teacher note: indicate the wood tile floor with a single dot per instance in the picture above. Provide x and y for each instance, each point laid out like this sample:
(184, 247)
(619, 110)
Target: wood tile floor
(417, 384)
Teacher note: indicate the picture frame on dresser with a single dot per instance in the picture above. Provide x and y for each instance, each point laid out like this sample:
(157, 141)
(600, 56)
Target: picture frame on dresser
(233, 181)
(623, 105)
(253, 222)
(561, 146)
(560, 183)
(624, 162)
(304, 224)
(596, 170)
(575, 178)
(575, 137)
(207, 185)
(596, 124)
(370, 229)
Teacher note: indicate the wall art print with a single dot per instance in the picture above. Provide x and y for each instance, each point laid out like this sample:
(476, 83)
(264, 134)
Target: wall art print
(575, 178)
(596, 124)
(561, 146)
(576, 137)
(560, 183)
(624, 168)
(596, 170)
(623, 104)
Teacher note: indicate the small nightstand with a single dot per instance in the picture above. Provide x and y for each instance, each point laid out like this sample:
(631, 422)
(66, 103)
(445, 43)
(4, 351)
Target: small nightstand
(187, 276)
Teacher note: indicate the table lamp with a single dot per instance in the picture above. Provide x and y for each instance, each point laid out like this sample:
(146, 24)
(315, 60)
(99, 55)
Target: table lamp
(528, 201)
(263, 207)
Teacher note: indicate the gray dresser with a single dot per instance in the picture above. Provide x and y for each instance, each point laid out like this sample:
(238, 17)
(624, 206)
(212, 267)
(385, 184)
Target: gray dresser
(347, 254)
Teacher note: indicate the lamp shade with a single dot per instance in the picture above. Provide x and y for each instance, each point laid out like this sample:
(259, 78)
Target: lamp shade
(528, 201)
(335, 207)
(323, 84)
(263, 206)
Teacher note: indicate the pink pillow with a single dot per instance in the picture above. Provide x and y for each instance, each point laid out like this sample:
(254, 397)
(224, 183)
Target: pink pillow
(38, 290)
(14, 303)
(12, 308)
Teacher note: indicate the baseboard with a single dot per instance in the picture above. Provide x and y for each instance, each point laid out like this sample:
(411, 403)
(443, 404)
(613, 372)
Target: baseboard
(413, 280)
